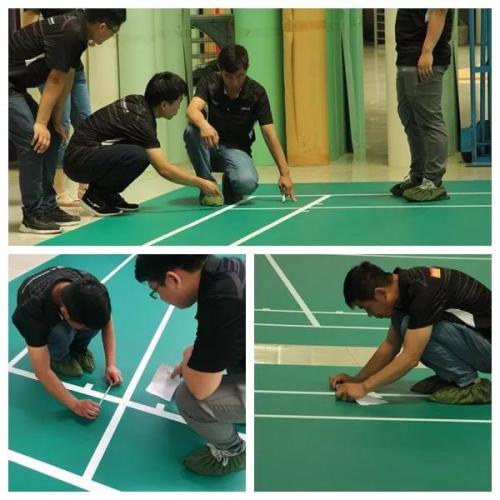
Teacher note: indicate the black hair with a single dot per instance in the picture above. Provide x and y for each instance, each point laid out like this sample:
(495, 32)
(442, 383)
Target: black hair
(165, 86)
(113, 17)
(87, 302)
(232, 58)
(155, 267)
(361, 281)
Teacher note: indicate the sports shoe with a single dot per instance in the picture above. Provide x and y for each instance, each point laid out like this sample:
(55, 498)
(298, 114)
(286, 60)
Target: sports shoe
(85, 359)
(61, 217)
(117, 201)
(38, 224)
(426, 191)
(209, 200)
(408, 183)
(430, 385)
(210, 461)
(69, 369)
(474, 394)
(230, 196)
(98, 205)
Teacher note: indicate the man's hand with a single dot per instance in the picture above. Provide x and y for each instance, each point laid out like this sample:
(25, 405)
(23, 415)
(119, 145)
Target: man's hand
(424, 65)
(210, 188)
(209, 136)
(41, 138)
(340, 378)
(113, 375)
(185, 358)
(62, 131)
(85, 408)
(350, 391)
(285, 184)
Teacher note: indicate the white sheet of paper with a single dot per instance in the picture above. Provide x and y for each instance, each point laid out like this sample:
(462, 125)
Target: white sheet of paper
(372, 398)
(162, 385)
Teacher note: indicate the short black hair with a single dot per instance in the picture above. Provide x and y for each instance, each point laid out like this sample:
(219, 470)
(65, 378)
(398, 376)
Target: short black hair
(232, 58)
(154, 267)
(113, 17)
(165, 86)
(361, 281)
(87, 302)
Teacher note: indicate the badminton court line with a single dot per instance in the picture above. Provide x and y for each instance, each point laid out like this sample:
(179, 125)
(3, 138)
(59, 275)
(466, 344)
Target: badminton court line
(57, 473)
(365, 207)
(426, 257)
(120, 266)
(346, 195)
(281, 220)
(293, 291)
(196, 222)
(340, 327)
(383, 419)
(331, 393)
(294, 311)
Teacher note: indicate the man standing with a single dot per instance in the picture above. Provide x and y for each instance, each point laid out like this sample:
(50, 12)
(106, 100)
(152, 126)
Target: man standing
(423, 55)
(59, 310)
(219, 137)
(440, 317)
(212, 397)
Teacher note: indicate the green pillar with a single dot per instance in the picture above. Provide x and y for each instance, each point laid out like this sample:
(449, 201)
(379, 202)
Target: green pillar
(259, 30)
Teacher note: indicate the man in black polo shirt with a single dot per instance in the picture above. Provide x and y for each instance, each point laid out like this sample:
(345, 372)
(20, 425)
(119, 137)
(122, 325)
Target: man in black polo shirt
(59, 310)
(222, 113)
(440, 317)
(212, 396)
(48, 52)
(114, 145)
(423, 55)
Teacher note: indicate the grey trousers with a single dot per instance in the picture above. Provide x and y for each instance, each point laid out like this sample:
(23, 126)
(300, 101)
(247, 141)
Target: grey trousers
(419, 108)
(455, 352)
(213, 418)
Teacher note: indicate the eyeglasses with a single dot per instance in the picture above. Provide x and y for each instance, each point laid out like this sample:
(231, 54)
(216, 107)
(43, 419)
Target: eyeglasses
(154, 294)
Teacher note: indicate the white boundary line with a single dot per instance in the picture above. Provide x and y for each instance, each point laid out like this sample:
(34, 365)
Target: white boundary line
(115, 419)
(280, 220)
(426, 257)
(365, 207)
(339, 195)
(281, 325)
(293, 292)
(388, 419)
(331, 393)
(57, 472)
(294, 311)
(196, 222)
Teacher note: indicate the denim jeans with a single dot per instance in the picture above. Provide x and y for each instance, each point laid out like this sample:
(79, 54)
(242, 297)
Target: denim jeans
(76, 109)
(36, 171)
(419, 108)
(63, 339)
(213, 418)
(237, 165)
(455, 352)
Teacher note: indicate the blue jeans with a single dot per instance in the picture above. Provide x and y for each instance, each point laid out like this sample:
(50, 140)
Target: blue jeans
(455, 352)
(419, 108)
(237, 165)
(63, 339)
(36, 171)
(76, 109)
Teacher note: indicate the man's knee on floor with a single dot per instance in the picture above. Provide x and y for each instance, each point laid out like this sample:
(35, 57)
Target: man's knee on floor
(244, 184)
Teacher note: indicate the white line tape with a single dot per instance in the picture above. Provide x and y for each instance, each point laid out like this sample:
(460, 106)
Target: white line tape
(280, 325)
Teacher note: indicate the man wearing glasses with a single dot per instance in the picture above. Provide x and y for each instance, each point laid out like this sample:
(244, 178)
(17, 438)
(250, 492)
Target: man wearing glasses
(48, 52)
(212, 397)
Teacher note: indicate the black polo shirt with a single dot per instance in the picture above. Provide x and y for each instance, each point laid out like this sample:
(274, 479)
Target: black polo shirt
(36, 314)
(432, 294)
(128, 120)
(234, 119)
(220, 338)
(411, 30)
(53, 43)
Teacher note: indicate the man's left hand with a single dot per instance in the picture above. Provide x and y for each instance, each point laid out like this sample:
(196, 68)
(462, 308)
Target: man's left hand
(113, 375)
(424, 65)
(285, 184)
(350, 391)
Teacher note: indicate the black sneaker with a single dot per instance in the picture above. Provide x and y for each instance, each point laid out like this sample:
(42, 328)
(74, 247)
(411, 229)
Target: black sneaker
(61, 217)
(36, 223)
(230, 196)
(409, 183)
(117, 201)
(98, 206)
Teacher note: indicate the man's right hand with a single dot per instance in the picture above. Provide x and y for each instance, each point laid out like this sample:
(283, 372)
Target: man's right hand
(85, 408)
(210, 188)
(41, 138)
(209, 136)
(340, 378)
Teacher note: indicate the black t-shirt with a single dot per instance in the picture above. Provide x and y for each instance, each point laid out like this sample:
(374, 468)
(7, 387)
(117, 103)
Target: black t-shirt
(432, 294)
(411, 30)
(234, 119)
(220, 338)
(52, 43)
(128, 120)
(36, 312)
